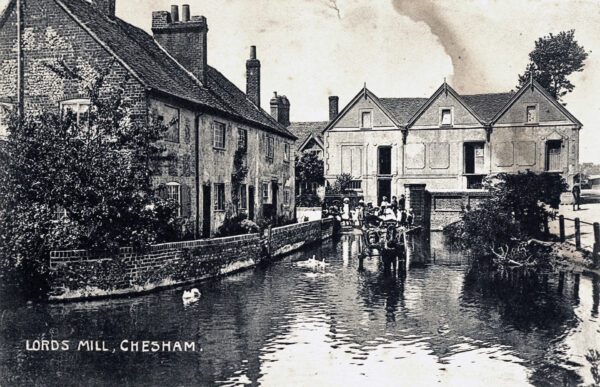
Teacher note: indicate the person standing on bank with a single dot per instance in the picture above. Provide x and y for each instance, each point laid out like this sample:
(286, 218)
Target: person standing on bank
(410, 217)
(402, 203)
(576, 196)
(395, 206)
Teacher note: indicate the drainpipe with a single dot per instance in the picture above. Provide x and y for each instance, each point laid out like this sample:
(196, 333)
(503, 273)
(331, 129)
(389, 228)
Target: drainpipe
(20, 86)
(197, 168)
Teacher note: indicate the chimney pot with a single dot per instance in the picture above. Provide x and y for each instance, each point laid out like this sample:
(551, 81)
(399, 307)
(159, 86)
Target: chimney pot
(252, 52)
(185, 13)
(333, 107)
(175, 13)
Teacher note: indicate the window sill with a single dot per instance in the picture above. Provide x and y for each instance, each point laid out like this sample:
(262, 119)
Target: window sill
(532, 124)
(219, 149)
(446, 126)
(219, 210)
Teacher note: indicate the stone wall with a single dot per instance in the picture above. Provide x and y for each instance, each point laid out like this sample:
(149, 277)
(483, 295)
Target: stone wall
(446, 207)
(78, 274)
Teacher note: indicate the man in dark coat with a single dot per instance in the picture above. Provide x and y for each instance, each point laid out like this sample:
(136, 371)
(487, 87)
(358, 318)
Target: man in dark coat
(576, 196)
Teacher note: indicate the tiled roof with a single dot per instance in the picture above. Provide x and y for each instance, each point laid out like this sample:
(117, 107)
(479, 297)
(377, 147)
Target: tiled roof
(403, 108)
(486, 106)
(160, 72)
(303, 130)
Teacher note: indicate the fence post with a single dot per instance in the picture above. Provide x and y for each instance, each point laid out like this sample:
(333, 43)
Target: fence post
(596, 244)
(577, 233)
(546, 226)
(561, 227)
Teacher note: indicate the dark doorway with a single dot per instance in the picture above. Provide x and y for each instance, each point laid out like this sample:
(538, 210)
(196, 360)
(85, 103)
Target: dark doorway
(275, 192)
(251, 202)
(206, 210)
(384, 188)
(385, 160)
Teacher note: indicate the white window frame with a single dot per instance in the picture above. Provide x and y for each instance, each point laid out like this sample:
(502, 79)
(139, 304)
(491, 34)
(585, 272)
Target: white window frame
(266, 199)
(442, 110)
(362, 121)
(174, 193)
(77, 103)
(537, 114)
(242, 138)
(223, 137)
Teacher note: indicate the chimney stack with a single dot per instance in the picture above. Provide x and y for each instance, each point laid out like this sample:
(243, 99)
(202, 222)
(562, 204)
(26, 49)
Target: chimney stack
(175, 13)
(280, 109)
(185, 13)
(253, 77)
(333, 107)
(107, 7)
(185, 40)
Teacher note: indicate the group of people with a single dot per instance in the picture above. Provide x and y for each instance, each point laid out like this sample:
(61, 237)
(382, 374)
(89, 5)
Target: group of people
(394, 210)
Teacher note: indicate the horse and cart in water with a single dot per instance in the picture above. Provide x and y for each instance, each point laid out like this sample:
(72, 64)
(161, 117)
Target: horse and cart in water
(382, 232)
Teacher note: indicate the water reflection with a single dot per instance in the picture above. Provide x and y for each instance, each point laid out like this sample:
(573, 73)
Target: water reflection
(439, 322)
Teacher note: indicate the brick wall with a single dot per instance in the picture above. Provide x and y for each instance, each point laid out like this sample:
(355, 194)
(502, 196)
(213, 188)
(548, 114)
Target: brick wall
(81, 274)
(446, 207)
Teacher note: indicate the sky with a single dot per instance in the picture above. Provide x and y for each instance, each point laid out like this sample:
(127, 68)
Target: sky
(311, 49)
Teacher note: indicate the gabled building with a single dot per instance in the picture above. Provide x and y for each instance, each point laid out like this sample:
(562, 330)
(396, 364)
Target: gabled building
(448, 141)
(166, 75)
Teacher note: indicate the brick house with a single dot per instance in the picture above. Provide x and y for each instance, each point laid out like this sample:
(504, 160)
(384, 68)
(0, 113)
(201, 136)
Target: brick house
(448, 141)
(166, 76)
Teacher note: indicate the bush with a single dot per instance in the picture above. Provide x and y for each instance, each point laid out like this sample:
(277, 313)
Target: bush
(515, 213)
(237, 225)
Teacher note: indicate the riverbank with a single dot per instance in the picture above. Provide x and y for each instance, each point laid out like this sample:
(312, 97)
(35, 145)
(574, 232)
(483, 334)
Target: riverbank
(80, 274)
(568, 258)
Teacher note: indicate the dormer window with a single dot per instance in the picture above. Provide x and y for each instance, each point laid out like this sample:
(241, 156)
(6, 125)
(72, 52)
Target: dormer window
(80, 108)
(446, 117)
(532, 114)
(366, 121)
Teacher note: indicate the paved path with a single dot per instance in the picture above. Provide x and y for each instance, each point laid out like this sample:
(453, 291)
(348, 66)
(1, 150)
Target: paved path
(589, 213)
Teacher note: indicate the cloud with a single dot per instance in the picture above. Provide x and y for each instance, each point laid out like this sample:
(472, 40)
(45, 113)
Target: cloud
(466, 73)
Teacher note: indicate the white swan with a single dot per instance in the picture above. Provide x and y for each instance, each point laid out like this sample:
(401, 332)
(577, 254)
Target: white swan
(312, 263)
(191, 295)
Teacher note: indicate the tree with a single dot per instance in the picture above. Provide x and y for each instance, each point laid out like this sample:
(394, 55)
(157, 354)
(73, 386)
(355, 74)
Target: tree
(309, 169)
(553, 59)
(69, 182)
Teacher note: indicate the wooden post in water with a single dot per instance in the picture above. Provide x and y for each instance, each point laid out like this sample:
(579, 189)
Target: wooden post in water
(577, 233)
(561, 227)
(596, 244)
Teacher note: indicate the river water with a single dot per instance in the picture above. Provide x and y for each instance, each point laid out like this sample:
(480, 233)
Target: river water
(438, 323)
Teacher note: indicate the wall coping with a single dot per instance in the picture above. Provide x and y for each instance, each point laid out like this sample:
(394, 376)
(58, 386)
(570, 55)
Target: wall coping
(183, 244)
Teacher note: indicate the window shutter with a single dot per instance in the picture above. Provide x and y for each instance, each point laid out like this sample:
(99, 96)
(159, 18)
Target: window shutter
(186, 201)
(212, 129)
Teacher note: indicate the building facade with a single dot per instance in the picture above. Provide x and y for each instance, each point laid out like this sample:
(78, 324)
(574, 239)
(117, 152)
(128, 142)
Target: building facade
(50, 51)
(448, 141)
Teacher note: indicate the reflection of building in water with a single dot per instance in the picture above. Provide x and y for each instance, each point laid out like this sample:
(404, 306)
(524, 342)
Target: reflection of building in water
(431, 248)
